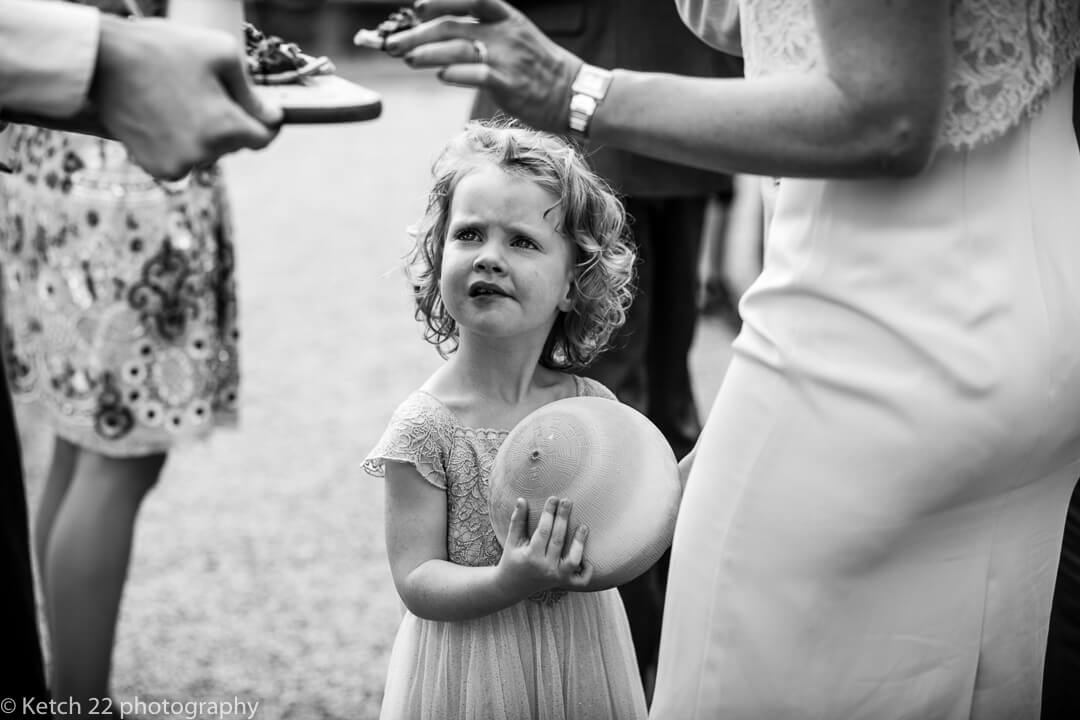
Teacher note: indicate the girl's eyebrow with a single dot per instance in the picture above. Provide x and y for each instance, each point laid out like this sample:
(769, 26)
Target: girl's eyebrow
(515, 228)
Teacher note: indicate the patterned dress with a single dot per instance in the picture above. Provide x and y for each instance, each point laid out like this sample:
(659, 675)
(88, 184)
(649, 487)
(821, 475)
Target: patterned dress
(555, 656)
(119, 299)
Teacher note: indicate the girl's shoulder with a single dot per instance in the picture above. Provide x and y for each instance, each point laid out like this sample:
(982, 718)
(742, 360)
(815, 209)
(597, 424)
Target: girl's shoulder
(420, 432)
(424, 401)
(422, 408)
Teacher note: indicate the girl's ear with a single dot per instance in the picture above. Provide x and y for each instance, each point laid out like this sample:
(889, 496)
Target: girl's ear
(567, 300)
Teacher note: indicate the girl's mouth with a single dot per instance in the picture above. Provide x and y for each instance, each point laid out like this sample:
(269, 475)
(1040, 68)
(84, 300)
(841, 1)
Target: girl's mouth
(486, 289)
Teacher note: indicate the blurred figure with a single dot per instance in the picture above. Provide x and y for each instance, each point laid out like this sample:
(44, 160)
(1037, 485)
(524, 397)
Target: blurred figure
(53, 59)
(120, 315)
(297, 20)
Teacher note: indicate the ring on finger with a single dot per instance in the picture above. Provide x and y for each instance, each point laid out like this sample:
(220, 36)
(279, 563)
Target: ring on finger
(481, 51)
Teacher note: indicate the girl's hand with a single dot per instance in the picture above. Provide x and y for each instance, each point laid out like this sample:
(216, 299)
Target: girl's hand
(543, 561)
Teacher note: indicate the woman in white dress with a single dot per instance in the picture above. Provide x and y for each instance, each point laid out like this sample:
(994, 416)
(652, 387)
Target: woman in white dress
(874, 510)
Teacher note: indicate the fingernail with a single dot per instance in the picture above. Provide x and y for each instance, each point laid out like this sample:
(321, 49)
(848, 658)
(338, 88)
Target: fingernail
(584, 530)
(419, 6)
(393, 49)
(409, 59)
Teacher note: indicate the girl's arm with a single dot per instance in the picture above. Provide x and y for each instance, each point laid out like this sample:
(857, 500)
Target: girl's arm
(873, 107)
(434, 588)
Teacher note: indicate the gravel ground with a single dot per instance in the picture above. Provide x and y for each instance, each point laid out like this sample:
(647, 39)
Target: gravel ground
(259, 572)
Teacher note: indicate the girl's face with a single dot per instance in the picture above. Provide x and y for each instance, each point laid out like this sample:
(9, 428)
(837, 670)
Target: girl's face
(506, 269)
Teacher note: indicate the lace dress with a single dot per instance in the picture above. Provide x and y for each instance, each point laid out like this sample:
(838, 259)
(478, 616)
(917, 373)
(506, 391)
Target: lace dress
(556, 656)
(872, 525)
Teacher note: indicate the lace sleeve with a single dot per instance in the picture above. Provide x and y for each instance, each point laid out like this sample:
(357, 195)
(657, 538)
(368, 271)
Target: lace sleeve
(1006, 56)
(420, 433)
(587, 387)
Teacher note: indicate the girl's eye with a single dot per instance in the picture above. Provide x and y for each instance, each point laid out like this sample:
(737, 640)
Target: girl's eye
(466, 235)
(522, 241)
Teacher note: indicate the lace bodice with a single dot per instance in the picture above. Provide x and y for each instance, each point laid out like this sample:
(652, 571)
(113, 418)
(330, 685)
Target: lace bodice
(1007, 54)
(426, 434)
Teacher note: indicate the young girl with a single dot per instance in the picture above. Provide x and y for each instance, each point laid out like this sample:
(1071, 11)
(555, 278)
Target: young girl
(521, 270)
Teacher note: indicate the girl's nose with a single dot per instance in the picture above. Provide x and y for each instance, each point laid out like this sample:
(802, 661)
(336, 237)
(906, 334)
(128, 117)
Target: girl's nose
(488, 261)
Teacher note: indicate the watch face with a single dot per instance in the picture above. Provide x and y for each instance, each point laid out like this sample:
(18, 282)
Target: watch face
(592, 81)
(582, 104)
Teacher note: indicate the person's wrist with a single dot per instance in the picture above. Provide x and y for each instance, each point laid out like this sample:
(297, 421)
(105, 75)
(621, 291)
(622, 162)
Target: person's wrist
(587, 91)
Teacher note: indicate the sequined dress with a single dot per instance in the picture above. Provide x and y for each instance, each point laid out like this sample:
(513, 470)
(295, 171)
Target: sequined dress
(557, 656)
(119, 300)
(872, 525)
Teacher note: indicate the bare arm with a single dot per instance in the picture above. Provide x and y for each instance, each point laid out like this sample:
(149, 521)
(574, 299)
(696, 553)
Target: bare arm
(872, 109)
(434, 588)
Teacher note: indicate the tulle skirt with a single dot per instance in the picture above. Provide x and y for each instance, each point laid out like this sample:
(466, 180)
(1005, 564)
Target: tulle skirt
(570, 659)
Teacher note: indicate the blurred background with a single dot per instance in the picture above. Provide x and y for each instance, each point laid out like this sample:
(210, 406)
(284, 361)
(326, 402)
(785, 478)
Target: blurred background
(259, 571)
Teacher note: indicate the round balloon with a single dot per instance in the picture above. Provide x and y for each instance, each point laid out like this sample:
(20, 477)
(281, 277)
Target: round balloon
(612, 462)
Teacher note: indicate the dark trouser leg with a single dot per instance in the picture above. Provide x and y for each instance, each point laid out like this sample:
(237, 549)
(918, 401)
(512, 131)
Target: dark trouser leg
(648, 369)
(673, 248)
(1061, 676)
(20, 650)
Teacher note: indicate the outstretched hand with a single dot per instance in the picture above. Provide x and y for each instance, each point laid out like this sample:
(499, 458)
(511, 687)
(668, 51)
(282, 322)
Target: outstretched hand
(545, 560)
(176, 96)
(527, 74)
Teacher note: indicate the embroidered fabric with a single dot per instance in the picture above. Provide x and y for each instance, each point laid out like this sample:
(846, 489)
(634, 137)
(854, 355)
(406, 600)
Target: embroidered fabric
(458, 459)
(120, 301)
(1007, 54)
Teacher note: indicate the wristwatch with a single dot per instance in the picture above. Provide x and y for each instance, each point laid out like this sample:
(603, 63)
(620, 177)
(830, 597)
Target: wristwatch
(588, 91)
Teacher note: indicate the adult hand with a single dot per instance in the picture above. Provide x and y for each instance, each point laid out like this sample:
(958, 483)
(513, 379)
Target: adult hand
(543, 561)
(497, 48)
(176, 96)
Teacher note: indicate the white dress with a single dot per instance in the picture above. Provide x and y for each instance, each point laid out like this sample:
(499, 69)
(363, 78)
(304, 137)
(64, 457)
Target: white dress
(555, 656)
(872, 525)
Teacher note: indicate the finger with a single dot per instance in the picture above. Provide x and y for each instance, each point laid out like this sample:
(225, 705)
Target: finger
(471, 75)
(239, 87)
(575, 555)
(581, 579)
(239, 130)
(557, 541)
(163, 169)
(519, 523)
(543, 528)
(444, 52)
(431, 32)
(485, 10)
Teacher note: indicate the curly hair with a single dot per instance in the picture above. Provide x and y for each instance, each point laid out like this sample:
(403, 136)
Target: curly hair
(592, 218)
